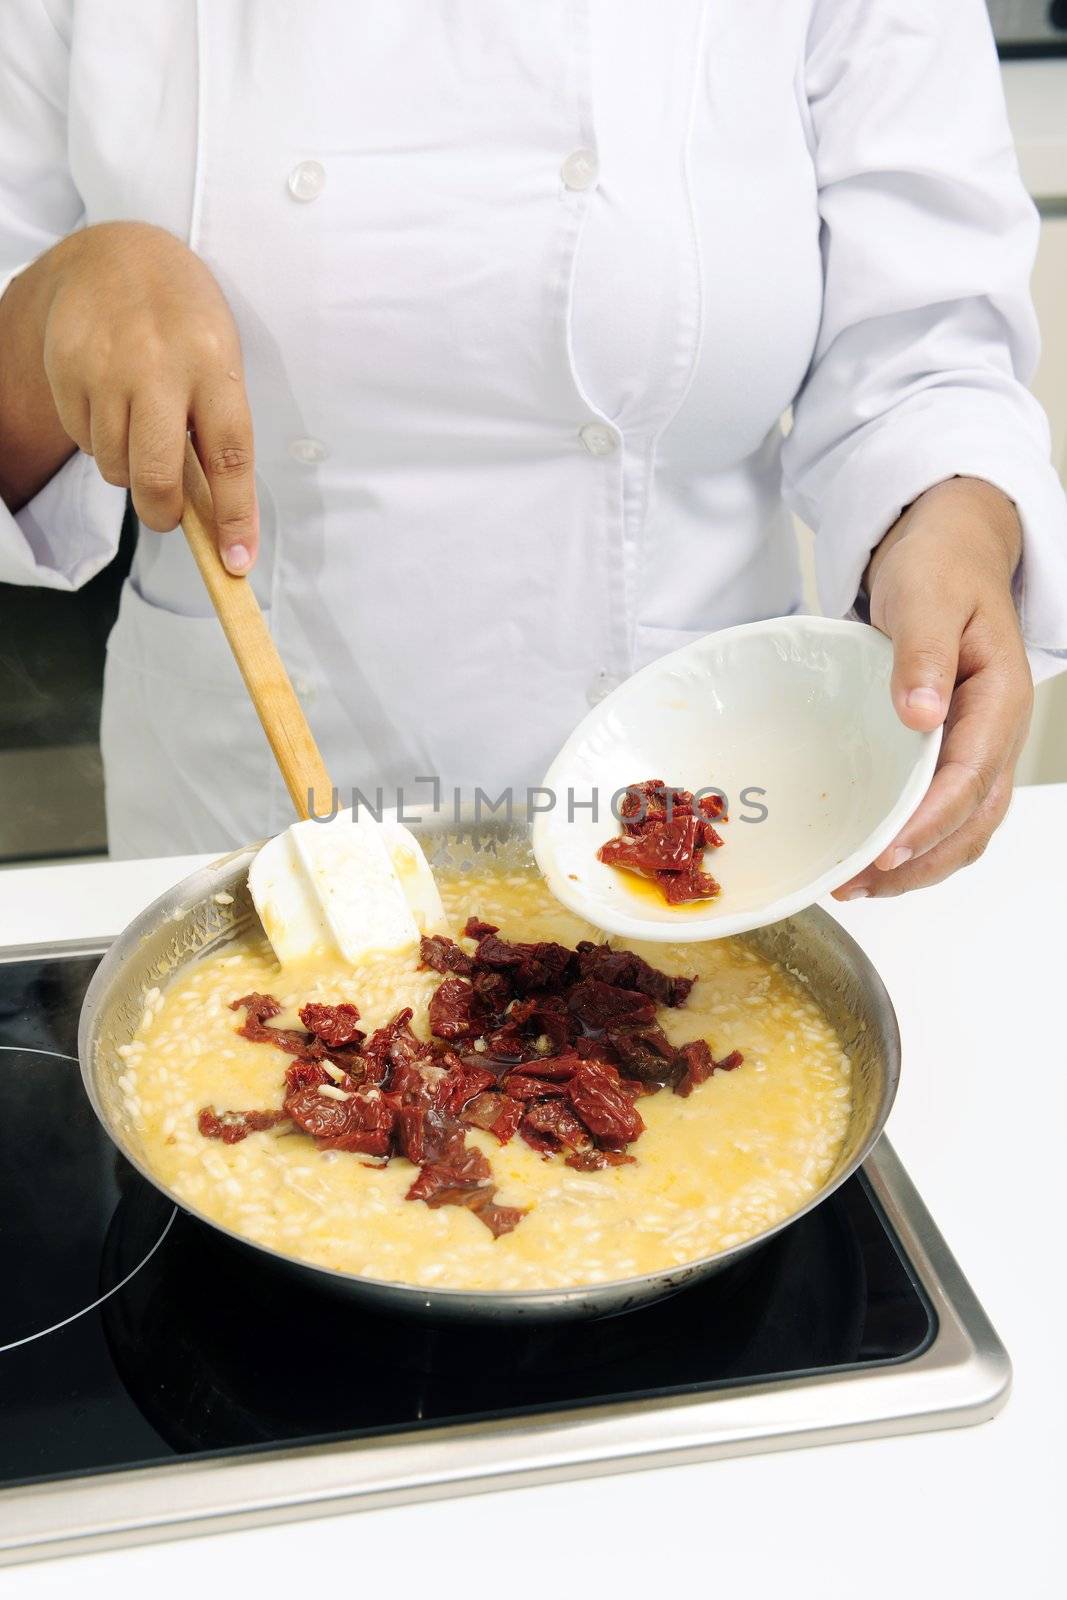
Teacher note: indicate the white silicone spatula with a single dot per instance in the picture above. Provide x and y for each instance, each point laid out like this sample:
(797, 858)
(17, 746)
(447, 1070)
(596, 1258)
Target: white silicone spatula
(347, 887)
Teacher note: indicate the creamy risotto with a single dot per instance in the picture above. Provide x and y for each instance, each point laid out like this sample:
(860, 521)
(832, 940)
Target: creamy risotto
(744, 1150)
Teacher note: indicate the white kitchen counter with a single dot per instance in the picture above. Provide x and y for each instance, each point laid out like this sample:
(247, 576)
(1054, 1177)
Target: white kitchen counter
(976, 968)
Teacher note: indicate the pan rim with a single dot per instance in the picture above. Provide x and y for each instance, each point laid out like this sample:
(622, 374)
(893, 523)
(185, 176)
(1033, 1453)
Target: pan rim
(452, 1302)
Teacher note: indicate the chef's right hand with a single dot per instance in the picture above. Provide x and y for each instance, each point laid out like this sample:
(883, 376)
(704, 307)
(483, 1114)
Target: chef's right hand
(140, 349)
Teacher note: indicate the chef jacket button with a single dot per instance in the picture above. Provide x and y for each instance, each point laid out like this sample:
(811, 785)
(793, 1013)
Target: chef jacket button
(580, 170)
(601, 686)
(307, 180)
(309, 452)
(598, 438)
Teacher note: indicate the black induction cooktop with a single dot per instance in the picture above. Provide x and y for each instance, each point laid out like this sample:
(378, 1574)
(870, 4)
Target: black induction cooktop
(130, 1334)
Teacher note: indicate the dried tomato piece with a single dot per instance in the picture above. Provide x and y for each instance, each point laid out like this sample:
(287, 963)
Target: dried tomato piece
(529, 967)
(664, 836)
(647, 1056)
(410, 1131)
(377, 1052)
(474, 928)
(681, 887)
(598, 1049)
(499, 1219)
(522, 1087)
(653, 801)
(233, 1126)
(711, 807)
(543, 1143)
(626, 970)
(597, 1096)
(450, 1010)
(257, 1008)
(553, 1068)
(699, 1065)
(360, 1122)
(493, 995)
(508, 1044)
(550, 964)
(594, 1160)
(453, 1180)
(599, 1005)
(459, 1086)
(304, 1074)
(634, 1089)
(553, 1121)
(334, 1025)
(444, 955)
(496, 1113)
(407, 1083)
(659, 847)
(545, 1016)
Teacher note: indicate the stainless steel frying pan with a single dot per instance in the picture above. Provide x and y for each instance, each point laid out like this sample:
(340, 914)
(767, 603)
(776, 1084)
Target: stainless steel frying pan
(188, 922)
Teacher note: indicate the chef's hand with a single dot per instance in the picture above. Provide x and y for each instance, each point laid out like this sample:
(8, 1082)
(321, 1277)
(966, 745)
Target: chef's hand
(940, 587)
(127, 345)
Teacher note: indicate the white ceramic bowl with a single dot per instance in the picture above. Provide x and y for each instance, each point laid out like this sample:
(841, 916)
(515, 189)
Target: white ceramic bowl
(791, 717)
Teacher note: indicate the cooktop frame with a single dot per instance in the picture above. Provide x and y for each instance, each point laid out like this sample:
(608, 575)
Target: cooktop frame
(962, 1377)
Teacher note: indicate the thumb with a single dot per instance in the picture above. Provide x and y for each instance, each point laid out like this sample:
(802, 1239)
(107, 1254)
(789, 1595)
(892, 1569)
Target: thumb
(925, 624)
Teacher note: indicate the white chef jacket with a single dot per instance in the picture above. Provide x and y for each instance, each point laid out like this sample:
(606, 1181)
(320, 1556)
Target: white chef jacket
(523, 292)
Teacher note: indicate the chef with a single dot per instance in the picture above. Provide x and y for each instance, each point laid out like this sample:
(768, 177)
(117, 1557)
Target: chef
(484, 317)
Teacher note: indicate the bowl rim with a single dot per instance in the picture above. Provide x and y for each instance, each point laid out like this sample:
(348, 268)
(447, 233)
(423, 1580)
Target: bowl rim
(721, 925)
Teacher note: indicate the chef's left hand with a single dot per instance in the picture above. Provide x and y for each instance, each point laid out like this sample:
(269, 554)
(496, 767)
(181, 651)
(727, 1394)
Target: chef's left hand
(940, 587)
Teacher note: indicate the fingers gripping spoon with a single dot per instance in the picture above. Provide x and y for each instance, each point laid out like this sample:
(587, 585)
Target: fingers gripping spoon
(346, 886)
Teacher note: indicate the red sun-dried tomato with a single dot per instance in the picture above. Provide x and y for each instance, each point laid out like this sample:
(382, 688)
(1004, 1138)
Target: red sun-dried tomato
(496, 1113)
(601, 1005)
(458, 1086)
(395, 1037)
(303, 1074)
(335, 1026)
(682, 887)
(545, 1016)
(528, 967)
(450, 1010)
(257, 1007)
(534, 1038)
(520, 1086)
(444, 955)
(497, 1218)
(625, 970)
(594, 1160)
(508, 1044)
(652, 801)
(361, 1122)
(597, 1096)
(659, 847)
(698, 1065)
(646, 1055)
(552, 1068)
(233, 1126)
(555, 1122)
(664, 835)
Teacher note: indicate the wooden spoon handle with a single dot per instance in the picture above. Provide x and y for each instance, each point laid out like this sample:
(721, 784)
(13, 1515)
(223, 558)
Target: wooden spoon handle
(256, 654)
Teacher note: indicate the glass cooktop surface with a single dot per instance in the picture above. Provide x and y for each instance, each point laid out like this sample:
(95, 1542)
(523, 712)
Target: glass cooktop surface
(131, 1334)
